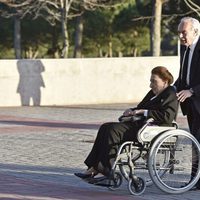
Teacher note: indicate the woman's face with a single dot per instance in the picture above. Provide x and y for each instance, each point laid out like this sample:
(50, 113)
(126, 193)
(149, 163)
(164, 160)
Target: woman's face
(157, 84)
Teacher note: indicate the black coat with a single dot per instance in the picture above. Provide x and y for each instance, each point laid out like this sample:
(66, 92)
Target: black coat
(163, 108)
(194, 79)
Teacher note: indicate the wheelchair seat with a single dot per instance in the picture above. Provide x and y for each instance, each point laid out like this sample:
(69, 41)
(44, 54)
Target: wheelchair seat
(149, 131)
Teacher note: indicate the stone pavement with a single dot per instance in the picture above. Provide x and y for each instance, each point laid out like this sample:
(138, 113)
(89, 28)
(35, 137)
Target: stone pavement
(42, 147)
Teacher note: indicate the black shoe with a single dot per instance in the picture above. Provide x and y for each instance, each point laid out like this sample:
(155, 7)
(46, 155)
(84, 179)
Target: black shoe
(105, 183)
(100, 181)
(94, 180)
(84, 176)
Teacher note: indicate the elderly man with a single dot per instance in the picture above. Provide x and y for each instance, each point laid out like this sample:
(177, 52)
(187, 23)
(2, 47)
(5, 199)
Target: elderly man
(188, 82)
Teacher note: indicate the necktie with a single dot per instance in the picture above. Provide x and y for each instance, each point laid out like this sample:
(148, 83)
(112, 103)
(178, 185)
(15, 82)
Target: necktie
(185, 67)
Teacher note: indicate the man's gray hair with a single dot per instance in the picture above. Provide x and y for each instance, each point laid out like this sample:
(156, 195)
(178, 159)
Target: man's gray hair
(195, 23)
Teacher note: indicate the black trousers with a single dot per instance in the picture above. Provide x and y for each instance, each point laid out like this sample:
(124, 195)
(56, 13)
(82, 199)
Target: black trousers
(109, 137)
(193, 118)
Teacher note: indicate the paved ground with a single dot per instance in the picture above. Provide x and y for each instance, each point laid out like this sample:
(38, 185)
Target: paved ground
(41, 148)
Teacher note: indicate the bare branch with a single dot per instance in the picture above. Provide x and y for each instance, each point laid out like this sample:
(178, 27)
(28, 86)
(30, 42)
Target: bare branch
(10, 3)
(89, 4)
(163, 16)
(193, 6)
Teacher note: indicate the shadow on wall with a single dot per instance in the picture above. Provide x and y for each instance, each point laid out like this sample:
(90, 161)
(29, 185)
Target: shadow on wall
(30, 81)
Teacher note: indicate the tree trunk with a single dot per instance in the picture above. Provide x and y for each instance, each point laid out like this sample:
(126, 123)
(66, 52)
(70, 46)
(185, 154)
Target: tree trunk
(54, 51)
(110, 51)
(17, 37)
(65, 48)
(156, 28)
(78, 37)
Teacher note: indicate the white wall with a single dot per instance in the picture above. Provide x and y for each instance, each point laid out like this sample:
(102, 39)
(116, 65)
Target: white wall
(78, 81)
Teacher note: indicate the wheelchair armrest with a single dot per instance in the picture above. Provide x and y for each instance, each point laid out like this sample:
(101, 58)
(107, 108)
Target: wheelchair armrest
(150, 121)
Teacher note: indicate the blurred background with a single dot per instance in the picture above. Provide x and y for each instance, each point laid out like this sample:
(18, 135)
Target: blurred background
(91, 28)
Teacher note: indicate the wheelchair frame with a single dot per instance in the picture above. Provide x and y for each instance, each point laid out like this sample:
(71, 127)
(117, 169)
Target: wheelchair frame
(166, 156)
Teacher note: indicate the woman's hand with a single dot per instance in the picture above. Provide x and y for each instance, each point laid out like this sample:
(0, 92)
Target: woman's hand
(129, 112)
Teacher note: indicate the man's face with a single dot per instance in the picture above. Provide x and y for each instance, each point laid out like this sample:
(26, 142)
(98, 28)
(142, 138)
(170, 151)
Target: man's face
(186, 33)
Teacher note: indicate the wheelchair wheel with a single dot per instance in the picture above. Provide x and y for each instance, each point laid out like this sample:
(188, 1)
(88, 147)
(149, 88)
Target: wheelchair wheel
(116, 180)
(140, 168)
(179, 171)
(136, 185)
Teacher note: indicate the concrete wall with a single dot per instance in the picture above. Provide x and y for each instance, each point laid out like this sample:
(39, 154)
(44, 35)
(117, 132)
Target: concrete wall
(78, 81)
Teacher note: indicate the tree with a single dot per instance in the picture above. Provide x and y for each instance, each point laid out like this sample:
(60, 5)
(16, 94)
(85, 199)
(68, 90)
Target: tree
(78, 37)
(52, 11)
(49, 10)
(93, 5)
(103, 27)
(133, 35)
(164, 19)
(156, 27)
(155, 18)
(16, 9)
(6, 38)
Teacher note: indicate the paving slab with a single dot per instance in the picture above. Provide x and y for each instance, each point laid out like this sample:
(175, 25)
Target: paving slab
(42, 147)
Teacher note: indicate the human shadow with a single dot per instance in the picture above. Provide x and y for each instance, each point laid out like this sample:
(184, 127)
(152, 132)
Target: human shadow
(30, 81)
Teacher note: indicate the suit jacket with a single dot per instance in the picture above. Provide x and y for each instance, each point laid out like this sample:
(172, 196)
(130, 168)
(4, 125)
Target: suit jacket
(194, 79)
(163, 108)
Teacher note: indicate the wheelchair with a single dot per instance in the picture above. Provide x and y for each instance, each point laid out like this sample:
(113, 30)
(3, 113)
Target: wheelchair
(165, 156)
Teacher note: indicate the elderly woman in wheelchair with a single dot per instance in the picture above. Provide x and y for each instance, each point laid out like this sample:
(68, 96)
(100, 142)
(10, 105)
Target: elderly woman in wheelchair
(116, 142)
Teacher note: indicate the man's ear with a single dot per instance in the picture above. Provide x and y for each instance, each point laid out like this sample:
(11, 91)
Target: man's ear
(196, 31)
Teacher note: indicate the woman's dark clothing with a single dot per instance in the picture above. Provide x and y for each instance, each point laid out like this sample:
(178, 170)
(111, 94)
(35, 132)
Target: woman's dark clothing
(162, 109)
